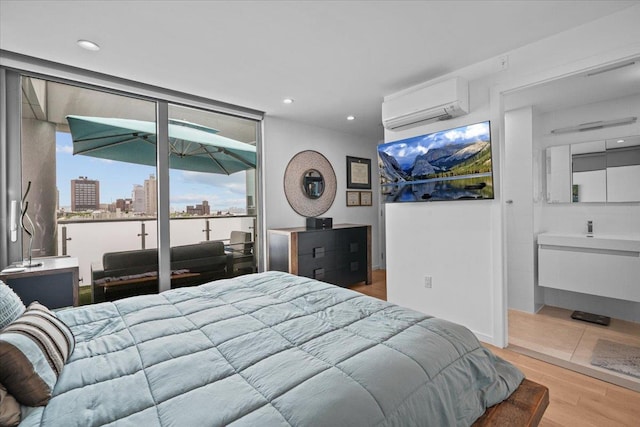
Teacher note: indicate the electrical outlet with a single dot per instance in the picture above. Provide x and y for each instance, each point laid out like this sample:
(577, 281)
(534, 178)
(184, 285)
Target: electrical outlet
(427, 282)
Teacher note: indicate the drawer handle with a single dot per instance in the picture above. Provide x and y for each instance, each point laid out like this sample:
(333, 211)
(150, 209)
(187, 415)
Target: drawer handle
(318, 252)
(318, 273)
(355, 265)
(353, 247)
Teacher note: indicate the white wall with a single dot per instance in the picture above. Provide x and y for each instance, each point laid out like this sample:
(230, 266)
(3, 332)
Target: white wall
(282, 140)
(426, 236)
(452, 241)
(608, 218)
(523, 294)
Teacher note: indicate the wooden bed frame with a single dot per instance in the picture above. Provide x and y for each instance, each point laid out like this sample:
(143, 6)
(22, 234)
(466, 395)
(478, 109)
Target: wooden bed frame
(523, 408)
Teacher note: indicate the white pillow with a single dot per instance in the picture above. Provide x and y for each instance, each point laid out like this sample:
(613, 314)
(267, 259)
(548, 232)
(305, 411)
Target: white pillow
(11, 306)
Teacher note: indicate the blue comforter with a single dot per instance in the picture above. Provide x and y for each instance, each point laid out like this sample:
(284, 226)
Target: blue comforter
(270, 349)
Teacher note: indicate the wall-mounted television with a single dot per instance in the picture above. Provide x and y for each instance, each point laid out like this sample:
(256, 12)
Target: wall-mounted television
(453, 164)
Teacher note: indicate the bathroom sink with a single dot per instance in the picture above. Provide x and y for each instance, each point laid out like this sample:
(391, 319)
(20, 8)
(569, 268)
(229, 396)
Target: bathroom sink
(604, 242)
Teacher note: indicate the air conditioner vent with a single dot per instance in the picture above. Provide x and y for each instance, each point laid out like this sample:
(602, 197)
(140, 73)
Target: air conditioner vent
(441, 101)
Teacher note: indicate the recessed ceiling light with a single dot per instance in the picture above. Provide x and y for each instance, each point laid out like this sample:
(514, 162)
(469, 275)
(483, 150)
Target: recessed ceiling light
(288, 101)
(351, 118)
(88, 44)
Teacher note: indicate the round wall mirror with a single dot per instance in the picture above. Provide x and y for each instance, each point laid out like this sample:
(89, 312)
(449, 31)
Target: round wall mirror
(313, 184)
(310, 190)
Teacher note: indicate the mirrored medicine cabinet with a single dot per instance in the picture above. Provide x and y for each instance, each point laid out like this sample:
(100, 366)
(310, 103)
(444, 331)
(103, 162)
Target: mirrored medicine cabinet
(596, 171)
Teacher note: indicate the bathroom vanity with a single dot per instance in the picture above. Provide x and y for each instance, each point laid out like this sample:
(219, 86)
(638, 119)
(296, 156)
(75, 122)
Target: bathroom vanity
(607, 266)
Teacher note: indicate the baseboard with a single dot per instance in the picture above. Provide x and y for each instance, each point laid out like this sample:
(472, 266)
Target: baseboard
(485, 338)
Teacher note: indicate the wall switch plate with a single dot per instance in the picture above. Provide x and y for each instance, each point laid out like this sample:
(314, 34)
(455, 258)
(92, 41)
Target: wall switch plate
(503, 63)
(427, 282)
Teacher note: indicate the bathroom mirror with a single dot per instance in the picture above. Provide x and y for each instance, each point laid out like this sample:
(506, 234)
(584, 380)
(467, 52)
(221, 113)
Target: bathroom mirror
(597, 171)
(589, 172)
(312, 184)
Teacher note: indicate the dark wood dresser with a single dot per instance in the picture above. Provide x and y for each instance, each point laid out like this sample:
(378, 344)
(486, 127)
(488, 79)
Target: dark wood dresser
(340, 255)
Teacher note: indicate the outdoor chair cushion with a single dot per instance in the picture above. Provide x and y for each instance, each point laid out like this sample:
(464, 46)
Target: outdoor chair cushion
(130, 262)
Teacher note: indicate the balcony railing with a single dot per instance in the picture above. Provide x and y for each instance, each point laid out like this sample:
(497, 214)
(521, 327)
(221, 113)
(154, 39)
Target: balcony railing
(88, 240)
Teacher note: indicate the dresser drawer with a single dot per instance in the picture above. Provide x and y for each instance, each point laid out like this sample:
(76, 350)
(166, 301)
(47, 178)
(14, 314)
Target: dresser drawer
(352, 241)
(323, 273)
(353, 272)
(314, 242)
(309, 262)
(351, 261)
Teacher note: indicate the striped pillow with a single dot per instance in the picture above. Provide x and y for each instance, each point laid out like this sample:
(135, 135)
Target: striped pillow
(33, 350)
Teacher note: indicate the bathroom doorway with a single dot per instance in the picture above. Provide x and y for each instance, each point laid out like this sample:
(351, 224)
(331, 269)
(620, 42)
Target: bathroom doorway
(539, 317)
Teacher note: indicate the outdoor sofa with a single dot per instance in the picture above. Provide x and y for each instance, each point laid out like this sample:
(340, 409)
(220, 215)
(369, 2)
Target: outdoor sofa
(135, 272)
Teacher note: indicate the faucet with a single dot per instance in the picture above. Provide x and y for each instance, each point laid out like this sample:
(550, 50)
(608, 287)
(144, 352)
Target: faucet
(589, 228)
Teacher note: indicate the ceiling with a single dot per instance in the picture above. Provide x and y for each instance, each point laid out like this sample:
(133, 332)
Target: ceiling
(333, 58)
(601, 84)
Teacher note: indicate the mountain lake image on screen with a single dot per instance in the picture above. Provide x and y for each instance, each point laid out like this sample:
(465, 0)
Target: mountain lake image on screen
(453, 164)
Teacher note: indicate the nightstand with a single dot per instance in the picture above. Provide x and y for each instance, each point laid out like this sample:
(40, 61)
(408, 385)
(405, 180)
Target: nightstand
(54, 283)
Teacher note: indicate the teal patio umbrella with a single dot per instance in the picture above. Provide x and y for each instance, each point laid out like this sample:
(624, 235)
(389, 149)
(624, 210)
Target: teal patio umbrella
(193, 147)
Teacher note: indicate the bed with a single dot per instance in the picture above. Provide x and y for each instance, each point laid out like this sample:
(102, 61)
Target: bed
(269, 349)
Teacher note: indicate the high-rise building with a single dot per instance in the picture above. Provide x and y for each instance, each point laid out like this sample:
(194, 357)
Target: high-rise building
(85, 194)
(137, 198)
(151, 195)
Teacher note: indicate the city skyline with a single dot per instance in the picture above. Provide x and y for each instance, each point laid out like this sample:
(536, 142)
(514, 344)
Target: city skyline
(118, 180)
(87, 198)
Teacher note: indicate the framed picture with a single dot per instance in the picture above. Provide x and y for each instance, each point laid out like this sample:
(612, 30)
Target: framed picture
(365, 198)
(358, 173)
(353, 198)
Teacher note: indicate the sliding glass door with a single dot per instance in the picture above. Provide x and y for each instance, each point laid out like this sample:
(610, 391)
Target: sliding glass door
(88, 161)
(212, 175)
(107, 172)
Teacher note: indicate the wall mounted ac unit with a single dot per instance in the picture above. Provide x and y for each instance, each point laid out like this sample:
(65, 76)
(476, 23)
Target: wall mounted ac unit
(441, 101)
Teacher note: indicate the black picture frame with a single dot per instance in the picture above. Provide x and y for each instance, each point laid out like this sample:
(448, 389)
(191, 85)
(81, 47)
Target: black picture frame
(353, 198)
(358, 173)
(366, 198)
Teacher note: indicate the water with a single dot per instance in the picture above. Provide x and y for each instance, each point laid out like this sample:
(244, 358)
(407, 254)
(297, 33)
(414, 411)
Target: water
(479, 186)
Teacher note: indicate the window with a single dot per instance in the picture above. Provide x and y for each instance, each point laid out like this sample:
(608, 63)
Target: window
(85, 203)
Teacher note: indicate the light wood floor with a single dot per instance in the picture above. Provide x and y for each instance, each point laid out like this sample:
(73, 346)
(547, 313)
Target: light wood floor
(575, 399)
(552, 335)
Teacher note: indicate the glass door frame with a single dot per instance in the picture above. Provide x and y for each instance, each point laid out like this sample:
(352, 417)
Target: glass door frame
(14, 66)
